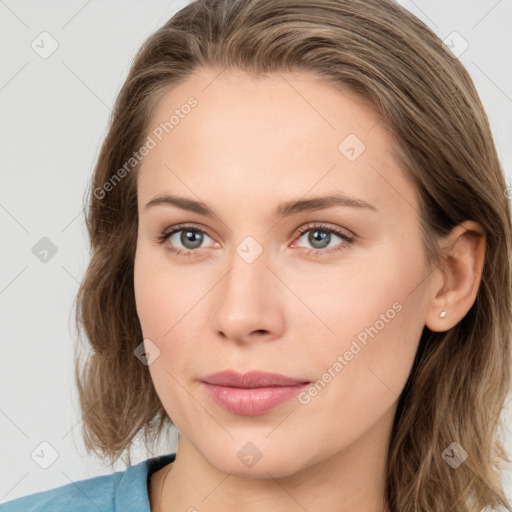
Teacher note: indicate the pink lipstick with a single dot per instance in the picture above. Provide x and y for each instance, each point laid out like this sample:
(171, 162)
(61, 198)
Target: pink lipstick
(252, 393)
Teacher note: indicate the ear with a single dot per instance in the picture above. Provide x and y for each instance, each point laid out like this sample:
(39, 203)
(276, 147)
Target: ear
(455, 285)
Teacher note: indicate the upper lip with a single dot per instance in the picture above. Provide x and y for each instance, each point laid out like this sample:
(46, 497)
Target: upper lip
(252, 379)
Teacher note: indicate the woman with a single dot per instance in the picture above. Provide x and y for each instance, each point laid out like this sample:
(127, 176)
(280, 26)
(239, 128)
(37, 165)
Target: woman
(301, 259)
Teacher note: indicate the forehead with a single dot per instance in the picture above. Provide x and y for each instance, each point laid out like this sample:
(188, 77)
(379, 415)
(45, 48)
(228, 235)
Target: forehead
(265, 135)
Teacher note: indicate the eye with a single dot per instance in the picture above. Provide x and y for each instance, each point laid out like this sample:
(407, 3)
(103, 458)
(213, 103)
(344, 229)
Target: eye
(320, 236)
(190, 237)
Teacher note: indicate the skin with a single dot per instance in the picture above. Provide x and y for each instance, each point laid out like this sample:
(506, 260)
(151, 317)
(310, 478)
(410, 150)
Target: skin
(248, 145)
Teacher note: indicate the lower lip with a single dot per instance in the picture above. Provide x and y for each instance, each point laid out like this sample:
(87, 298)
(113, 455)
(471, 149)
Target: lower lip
(251, 401)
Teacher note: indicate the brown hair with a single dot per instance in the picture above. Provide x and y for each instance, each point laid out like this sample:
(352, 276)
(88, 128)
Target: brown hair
(460, 378)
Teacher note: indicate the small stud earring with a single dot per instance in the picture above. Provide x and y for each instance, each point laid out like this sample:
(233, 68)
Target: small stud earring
(442, 314)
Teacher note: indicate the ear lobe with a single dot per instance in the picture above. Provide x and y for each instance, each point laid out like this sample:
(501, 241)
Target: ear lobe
(462, 264)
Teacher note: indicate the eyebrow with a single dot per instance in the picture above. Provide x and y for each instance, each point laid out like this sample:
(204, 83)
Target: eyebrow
(285, 209)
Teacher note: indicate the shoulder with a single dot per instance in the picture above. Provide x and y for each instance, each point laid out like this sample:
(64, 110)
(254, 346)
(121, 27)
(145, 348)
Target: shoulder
(121, 491)
(92, 494)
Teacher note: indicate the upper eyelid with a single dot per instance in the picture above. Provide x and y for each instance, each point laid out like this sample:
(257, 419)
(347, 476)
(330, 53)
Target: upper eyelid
(304, 228)
(325, 226)
(182, 227)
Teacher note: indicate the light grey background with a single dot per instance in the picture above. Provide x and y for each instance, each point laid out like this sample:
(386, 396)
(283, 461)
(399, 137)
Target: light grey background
(54, 114)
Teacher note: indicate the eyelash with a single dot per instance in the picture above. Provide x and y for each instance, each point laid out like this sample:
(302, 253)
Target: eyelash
(347, 239)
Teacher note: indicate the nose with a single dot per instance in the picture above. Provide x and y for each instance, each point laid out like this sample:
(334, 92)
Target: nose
(249, 302)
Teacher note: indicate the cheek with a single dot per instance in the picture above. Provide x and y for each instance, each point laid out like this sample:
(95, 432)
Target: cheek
(160, 301)
(360, 373)
(170, 310)
(368, 300)
(159, 292)
(152, 304)
(372, 315)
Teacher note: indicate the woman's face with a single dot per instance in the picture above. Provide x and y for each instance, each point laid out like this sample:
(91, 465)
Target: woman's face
(264, 169)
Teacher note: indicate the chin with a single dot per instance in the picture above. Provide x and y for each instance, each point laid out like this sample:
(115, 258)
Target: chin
(248, 461)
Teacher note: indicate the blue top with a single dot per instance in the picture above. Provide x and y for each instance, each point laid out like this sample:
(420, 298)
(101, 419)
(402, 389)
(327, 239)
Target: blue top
(122, 491)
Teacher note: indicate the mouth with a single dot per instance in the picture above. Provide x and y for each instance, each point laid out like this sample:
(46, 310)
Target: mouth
(252, 393)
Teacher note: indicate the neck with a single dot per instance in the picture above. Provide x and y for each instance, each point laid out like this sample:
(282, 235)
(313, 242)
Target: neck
(350, 480)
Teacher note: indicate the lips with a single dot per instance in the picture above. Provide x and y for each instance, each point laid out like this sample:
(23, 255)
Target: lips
(252, 379)
(252, 393)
